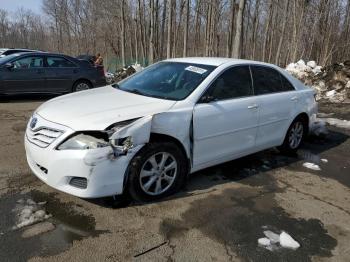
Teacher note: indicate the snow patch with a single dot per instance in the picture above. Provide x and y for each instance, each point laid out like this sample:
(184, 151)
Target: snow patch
(29, 212)
(287, 241)
(312, 166)
(273, 241)
(337, 122)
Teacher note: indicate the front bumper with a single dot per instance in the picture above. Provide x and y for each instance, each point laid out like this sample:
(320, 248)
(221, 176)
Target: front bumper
(103, 172)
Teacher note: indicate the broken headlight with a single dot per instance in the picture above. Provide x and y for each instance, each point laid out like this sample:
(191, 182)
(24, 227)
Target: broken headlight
(83, 141)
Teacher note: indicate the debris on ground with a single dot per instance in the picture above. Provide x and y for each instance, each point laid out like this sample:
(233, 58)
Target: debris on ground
(312, 166)
(38, 229)
(109, 77)
(324, 160)
(29, 212)
(332, 83)
(319, 128)
(273, 241)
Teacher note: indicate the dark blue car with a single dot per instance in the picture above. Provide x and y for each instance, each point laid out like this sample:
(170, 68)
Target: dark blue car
(39, 72)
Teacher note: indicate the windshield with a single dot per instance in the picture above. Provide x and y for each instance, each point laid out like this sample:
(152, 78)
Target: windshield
(167, 80)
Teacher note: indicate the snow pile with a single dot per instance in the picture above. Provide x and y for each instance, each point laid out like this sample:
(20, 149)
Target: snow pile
(137, 67)
(273, 241)
(127, 71)
(29, 212)
(332, 83)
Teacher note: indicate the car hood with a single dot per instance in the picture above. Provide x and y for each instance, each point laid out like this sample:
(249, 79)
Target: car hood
(96, 109)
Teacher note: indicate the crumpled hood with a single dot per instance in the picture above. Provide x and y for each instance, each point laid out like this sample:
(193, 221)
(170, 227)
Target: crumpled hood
(96, 109)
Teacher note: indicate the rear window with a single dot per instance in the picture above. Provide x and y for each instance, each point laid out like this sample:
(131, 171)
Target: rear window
(53, 61)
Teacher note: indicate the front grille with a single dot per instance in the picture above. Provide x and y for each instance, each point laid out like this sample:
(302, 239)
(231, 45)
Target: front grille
(78, 182)
(43, 136)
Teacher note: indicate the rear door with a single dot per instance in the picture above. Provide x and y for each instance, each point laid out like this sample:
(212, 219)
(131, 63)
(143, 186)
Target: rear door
(226, 126)
(60, 73)
(26, 76)
(276, 99)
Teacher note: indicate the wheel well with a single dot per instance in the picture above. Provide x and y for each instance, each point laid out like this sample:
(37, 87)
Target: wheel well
(305, 118)
(82, 80)
(155, 137)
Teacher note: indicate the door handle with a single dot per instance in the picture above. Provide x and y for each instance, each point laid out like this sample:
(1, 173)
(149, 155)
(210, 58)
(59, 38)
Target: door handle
(294, 98)
(255, 106)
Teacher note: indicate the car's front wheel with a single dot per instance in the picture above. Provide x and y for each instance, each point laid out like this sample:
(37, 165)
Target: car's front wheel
(158, 170)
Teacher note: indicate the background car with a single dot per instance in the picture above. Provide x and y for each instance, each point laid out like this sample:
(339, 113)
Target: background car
(10, 51)
(39, 72)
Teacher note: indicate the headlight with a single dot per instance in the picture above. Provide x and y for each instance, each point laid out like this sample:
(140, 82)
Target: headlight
(85, 141)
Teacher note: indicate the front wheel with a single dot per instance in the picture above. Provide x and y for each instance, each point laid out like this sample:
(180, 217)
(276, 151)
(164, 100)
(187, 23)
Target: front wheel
(294, 137)
(158, 170)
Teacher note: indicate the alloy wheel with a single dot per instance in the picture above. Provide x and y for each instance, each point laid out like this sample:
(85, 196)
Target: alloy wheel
(158, 173)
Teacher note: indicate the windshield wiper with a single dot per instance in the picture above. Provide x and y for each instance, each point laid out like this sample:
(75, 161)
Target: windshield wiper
(136, 91)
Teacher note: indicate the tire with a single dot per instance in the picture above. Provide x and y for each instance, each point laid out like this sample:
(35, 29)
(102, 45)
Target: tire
(144, 178)
(295, 136)
(81, 85)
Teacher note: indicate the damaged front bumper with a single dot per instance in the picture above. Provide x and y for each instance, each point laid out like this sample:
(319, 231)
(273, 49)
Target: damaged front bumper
(86, 173)
(83, 173)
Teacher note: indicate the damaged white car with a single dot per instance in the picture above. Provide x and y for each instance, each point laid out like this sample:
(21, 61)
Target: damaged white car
(147, 133)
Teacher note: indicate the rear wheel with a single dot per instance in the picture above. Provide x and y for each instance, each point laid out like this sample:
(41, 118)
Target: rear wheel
(295, 136)
(158, 170)
(81, 85)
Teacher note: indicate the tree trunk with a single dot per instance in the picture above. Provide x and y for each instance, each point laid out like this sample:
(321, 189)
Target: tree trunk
(187, 14)
(170, 18)
(236, 50)
(123, 32)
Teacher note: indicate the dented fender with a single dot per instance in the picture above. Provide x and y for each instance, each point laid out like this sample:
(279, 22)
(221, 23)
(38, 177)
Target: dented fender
(138, 132)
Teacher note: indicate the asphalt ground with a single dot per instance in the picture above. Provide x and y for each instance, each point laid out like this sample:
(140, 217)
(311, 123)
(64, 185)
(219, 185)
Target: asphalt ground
(219, 215)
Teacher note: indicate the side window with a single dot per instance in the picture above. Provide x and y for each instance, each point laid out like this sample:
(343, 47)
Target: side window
(53, 61)
(28, 62)
(233, 83)
(266, 80)
(286, 85)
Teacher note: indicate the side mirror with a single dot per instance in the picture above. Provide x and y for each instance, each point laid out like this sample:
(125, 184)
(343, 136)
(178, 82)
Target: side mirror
(206, 99)
(9, 66)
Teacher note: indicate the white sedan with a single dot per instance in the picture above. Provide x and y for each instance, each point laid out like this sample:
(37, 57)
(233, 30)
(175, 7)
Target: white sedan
(147, 133)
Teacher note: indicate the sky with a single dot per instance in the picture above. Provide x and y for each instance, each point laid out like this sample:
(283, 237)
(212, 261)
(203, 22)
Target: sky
(13, 5)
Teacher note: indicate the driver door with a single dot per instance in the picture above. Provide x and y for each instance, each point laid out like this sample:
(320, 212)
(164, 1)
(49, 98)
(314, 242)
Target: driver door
(26, 76)
(225, 119)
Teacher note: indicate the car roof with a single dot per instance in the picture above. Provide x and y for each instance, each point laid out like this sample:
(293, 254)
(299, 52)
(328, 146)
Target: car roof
(215, 61)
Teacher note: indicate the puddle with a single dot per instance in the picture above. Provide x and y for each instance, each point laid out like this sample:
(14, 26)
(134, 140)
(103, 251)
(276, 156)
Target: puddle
(236, 219)
(69, 224)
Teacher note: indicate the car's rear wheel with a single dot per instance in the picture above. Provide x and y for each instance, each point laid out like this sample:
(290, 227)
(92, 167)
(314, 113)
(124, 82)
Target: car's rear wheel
(158, 170)
(81, 85)
(295, 136)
